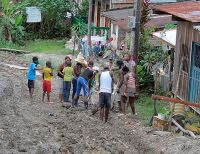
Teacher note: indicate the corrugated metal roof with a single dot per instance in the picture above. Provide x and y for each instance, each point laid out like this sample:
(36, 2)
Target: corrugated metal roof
(117, 14)
(120, 17)
(168, 36)
(162, 1)
(197, 27)
(189, 11)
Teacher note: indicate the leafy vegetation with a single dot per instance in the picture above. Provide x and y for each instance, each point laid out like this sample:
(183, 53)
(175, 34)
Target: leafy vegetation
(11, 28)
(53, 18)
(144, 108)
(83, 10)
(148, 54)
(54, 23)
(79, 27)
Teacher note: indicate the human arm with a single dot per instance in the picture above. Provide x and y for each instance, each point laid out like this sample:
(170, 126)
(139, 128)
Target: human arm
(120, 82)
(60, 68)
(112, 76)
(99, 81)
(43, 75)
(51, 73)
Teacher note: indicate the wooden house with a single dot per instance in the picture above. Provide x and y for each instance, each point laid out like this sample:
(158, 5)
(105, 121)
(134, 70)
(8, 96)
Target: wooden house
(186, 74)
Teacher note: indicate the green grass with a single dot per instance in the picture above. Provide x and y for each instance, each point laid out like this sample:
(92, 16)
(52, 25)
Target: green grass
(144, 108)
(40, 46)
(6, 44)
(48, 46)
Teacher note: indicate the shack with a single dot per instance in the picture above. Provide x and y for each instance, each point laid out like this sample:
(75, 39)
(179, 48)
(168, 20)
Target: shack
(187, 49)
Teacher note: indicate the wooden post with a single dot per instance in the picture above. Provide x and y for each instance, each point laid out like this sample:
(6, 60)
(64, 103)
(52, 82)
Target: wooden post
(89, 27)
(135, 33)
(74, 44)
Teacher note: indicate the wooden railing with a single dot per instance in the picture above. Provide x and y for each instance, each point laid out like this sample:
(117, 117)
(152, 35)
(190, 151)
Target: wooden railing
(101, 31)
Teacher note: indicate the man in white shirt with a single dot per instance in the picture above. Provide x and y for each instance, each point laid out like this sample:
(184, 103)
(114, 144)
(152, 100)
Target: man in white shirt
(105, 86)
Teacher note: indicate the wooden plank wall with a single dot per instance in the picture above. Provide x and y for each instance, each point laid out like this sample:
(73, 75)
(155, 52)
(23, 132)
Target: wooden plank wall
(185, 36)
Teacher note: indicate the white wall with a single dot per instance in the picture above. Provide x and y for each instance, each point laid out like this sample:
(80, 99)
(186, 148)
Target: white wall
(114, 34)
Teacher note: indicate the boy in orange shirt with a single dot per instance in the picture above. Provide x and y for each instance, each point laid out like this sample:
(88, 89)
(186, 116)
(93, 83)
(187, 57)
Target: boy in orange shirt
(47, 75)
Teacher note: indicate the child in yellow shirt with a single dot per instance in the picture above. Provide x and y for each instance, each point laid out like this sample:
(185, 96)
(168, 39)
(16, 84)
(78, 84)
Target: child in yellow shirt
(47, 75)
(68, 72)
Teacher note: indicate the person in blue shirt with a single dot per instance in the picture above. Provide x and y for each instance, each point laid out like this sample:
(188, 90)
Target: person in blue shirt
(31, 76)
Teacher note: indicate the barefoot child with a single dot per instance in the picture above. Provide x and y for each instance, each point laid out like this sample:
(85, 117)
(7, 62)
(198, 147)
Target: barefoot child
(105, 83)
(47, 75)
(127, 89)
(31, 76)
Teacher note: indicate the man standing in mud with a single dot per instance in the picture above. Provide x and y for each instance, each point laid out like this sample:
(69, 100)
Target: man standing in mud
(105, 86)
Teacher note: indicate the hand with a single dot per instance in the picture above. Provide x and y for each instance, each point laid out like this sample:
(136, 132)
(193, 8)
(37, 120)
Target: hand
(125, 94)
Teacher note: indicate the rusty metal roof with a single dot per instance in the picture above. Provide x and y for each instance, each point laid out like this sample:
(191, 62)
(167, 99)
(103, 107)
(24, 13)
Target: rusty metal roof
(119, 13)
(189, 11)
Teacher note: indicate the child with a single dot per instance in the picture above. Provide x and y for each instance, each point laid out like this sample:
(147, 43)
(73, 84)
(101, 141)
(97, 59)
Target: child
(127, 89)
(61, 77)
(68, 72)
(47, 75)
(105, 86)
(31, 76)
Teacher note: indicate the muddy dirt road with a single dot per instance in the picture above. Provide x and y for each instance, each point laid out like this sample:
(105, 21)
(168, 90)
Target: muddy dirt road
(27, 127)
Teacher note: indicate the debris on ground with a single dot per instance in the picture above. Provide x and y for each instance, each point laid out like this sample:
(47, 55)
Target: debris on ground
(26, 125)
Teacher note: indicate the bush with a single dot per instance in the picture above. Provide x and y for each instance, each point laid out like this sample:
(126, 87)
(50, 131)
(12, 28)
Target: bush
(53, 23)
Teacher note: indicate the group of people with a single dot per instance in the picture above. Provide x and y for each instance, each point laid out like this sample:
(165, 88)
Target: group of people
(82, 76)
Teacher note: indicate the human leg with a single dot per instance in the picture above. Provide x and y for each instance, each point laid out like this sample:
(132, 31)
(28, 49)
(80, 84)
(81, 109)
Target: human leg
(107, 106)
(78, 91)
(43, 95)
(65, 91)
(68, 90)
(31, 84)
(48, 90)
(101, 105)
(85, 92)
(131, 103)
(123, 103)
(106, 113)
(74, 83)
(61, 89)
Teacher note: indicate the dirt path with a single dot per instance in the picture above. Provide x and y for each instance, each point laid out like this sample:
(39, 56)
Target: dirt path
(27, 127)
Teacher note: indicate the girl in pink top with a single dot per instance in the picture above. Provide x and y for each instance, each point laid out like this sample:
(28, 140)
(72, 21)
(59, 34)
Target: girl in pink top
(127, 89)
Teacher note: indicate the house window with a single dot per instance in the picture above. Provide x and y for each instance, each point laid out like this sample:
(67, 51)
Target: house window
(197, 55)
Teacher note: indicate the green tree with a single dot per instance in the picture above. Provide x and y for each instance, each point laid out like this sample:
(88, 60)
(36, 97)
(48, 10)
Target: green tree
(11, 28)
(53, 18)
(83, 9)
(148, 54)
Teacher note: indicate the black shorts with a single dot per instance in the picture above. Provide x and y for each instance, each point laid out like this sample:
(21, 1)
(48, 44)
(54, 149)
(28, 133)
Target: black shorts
(30, 84)
(105, 100)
